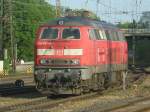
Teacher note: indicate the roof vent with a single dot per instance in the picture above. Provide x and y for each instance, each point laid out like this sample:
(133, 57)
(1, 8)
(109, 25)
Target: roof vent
(86, 14)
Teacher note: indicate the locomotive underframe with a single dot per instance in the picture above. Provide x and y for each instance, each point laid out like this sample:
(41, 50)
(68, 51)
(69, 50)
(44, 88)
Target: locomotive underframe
(62, 80)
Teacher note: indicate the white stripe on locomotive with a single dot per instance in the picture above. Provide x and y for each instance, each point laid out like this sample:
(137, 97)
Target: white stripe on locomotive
(66, 52)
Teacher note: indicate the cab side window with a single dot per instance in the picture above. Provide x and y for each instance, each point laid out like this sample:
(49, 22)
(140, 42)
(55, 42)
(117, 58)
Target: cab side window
(71, 33)
(49, 33)
(97, 34)
(114, 36)
(121, 36)
(107, 35)
(92, 34)
(98, 37)
(102, 35)
(117, 36)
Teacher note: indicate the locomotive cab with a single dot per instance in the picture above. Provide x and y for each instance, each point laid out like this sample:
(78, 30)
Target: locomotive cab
(62, 57)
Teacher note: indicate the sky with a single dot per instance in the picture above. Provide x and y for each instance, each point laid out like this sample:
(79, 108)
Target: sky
(113, 11)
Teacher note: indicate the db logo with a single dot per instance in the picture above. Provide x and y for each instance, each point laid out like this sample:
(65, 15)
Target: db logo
(59, 52)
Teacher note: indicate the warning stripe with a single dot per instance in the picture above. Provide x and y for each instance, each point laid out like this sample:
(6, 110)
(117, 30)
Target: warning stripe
(66, 52)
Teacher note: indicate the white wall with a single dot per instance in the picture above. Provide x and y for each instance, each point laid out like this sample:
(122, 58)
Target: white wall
(1, 66)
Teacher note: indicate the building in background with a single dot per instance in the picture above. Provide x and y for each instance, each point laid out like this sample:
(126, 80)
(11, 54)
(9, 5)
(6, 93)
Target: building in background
(145, 19)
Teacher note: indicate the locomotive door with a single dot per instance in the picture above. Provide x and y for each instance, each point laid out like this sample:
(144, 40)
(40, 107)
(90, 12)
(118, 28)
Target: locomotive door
(111, 58)
(109, 61)
(93, 37)
(101, 53)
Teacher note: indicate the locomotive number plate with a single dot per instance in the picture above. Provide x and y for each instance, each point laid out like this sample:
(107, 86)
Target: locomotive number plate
(59, 52)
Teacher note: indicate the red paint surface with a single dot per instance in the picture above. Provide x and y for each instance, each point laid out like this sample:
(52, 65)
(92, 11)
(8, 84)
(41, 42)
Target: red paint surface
(95, 52)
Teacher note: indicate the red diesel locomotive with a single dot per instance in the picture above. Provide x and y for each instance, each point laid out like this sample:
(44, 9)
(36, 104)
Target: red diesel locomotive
(75, 54)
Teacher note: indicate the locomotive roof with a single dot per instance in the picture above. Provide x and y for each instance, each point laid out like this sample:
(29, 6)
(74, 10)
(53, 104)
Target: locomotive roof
(80, 21)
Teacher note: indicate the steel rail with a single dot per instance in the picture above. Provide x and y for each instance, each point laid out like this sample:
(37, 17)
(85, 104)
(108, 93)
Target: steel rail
(126, 104)
(46, 103)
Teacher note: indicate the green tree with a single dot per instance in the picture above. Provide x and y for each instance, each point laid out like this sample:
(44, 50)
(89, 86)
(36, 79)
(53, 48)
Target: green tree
(27, 16)
(125, 25)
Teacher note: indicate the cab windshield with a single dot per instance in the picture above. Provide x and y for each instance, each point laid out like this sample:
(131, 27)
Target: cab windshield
(71, 33)
(49, 33)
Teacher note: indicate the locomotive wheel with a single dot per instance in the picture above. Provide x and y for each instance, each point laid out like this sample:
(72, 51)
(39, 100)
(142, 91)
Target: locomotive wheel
(77, 91)
(98, 82)
(85, 88)
(38, 85)
(19, 83)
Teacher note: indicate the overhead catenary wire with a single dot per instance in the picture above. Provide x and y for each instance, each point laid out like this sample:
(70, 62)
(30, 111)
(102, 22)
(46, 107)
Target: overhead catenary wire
(135, 13)
(112, 12)
(117, 11)
(97, 7)
(108, 6)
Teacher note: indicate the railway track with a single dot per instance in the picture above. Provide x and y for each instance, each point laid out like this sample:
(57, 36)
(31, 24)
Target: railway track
(16, 90)
(134, 105)
(15, 77)
(144, 109)
(16, 85)
(138, 104)
(14, 82)
(45, 103)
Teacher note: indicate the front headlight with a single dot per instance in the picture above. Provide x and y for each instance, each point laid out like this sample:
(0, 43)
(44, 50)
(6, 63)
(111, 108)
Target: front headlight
(43, 61)
(75, 62)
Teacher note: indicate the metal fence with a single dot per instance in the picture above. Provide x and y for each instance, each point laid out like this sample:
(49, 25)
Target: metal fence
(130, 31)
(21, 69)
